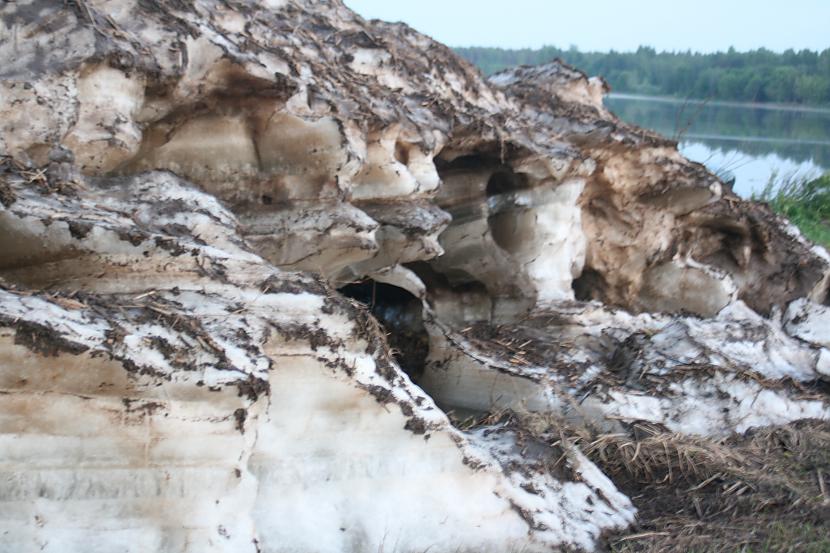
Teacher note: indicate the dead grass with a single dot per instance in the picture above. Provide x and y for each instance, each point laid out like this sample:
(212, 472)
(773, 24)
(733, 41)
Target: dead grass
(767, 491)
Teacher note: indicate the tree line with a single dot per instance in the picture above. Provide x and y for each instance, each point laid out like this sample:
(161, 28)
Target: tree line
(797, 77)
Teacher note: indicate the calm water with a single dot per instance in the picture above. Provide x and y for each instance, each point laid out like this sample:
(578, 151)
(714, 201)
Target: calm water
(750, 142)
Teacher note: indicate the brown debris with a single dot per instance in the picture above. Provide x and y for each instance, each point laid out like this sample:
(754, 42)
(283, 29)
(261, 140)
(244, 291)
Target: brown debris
(7, 195)
(41, 338)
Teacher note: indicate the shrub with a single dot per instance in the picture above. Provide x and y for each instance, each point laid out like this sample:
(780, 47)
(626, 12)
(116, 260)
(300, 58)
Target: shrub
(806, 203)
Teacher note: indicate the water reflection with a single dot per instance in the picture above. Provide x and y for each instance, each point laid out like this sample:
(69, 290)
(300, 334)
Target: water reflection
(751, 172)
(752, 142)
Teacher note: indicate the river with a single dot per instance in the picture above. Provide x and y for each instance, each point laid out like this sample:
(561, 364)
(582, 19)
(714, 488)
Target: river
(752, 143)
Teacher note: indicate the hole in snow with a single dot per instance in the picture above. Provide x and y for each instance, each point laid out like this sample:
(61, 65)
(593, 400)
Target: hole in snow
(402, 153)
(243, 151)
(511, 225)
(512, 228)
(401, 314)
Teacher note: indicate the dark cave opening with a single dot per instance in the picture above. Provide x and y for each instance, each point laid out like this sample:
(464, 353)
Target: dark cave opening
(501, 178)
(589, 286)
(504, 180)
(454, 295)
(401, 315)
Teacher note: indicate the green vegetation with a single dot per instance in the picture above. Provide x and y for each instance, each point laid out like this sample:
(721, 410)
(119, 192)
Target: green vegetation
(805, 203)
(801, 77)
(804, 538)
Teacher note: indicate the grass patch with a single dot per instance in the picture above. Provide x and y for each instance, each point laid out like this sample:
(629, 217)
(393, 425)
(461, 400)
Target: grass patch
(805, 203)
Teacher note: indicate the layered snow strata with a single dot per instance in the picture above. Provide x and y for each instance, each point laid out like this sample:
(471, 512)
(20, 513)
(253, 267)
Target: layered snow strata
(171, 391)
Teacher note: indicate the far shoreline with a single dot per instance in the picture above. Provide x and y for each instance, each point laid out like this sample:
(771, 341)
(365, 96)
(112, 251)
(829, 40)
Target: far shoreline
(719, 103)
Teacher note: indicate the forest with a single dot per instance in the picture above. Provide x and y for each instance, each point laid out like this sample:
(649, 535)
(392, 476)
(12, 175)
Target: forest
(789, 77)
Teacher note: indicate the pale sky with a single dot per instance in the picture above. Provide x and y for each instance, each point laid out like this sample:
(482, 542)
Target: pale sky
(700, 25)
